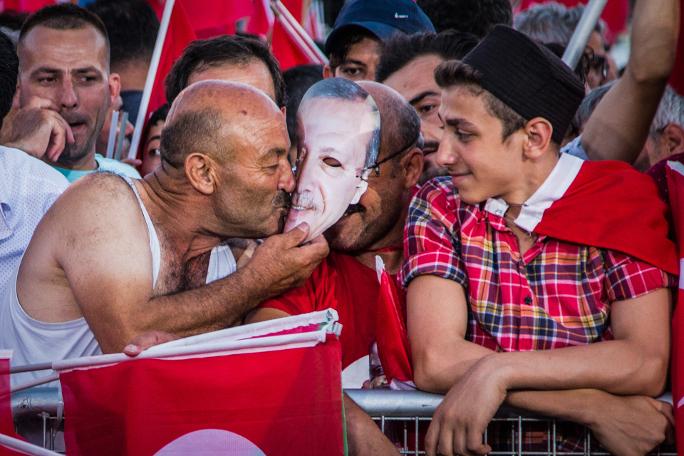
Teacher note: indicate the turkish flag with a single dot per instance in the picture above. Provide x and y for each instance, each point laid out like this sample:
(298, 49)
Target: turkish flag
(390, 331)
(263, 400)
(26, 6)
(675, 184)
(605, 204)
(178, 36)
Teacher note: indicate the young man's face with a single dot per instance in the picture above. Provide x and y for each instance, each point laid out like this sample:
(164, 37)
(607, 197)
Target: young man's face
(69, 68)
(361, 61)
(335, 136)
(481, 164)
(415, 81)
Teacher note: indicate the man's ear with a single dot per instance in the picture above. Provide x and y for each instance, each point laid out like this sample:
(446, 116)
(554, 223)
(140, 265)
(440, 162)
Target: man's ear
(328, 72)
(412, 165)
(200, 171)
(538, 137)
(114, 87)
(673, 137)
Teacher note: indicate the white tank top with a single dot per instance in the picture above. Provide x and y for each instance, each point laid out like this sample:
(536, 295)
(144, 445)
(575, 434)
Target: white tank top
(34, 341)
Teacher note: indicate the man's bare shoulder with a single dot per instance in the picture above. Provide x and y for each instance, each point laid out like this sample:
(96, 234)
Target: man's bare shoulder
(100, 207)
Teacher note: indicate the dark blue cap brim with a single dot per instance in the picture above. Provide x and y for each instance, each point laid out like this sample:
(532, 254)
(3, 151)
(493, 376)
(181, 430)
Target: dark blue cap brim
(380, 30)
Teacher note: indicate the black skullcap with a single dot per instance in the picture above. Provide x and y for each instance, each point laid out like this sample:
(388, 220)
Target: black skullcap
(527, 77)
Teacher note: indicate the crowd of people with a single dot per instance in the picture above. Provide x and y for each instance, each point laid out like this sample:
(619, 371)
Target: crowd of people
(518, 203)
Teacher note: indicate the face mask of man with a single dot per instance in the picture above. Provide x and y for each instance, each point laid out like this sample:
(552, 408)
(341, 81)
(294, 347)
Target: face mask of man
(339, 130)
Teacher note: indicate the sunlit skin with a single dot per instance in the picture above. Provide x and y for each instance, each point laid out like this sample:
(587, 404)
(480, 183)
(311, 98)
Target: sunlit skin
(255, 73)
(71, 69)
(416, 83)
(151, 158)
(360, 63)
(481, 165)
(335, 135)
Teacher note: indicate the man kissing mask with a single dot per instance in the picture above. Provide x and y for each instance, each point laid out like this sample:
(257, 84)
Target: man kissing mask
(338, 132)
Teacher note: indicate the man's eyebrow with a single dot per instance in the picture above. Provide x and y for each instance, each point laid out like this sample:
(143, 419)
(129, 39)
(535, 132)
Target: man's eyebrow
(355, 62)
(44, 69)
(149, 140)
(277, 151)
(455, 121)
(422, 95)
(86, 69)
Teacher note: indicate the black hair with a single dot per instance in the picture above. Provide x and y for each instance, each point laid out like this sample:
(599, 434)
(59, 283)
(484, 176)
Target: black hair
(401, 49)
(12, 20)
(340, 46)
(9, 69)
(239, 50)
(453, 72)
(64, 16)
(132, 26)
(298, 79)
(471, 16)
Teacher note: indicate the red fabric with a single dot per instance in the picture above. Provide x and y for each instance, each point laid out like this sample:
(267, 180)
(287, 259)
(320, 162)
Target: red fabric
(675, 183)
(342, 283)
(25, 6)
(677, 77)
(390, 329)
(615, 14)
(284, 47)
(178, 36)
(286, 402)
(6, 419)
(210, 18)
(612, 206)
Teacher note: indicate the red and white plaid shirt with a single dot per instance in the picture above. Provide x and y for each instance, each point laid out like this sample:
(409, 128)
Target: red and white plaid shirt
(556, 295)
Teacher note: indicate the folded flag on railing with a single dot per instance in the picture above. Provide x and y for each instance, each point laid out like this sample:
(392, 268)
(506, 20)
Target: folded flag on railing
(390, 332)
(263, 389)
(675, 185)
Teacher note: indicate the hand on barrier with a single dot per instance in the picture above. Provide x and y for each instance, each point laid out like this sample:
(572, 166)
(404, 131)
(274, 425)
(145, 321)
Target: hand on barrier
(461, 419)
(37, 129)
(143, 341)
(630, 425)
(282, 262)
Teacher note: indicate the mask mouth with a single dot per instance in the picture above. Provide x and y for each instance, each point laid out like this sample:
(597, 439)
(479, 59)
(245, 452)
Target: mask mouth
(353, 209)
(303, 202)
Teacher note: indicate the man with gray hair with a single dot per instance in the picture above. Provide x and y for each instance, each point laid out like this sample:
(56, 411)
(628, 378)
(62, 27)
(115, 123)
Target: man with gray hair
(555, 23)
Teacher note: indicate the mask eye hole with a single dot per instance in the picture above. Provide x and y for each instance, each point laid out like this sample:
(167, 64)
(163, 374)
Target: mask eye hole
(332, 162)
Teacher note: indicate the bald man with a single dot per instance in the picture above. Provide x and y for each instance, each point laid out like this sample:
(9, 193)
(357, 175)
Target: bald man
(116, 257)
(347, 280)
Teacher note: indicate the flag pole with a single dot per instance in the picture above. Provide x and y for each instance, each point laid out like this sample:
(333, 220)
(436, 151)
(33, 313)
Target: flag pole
(580, 38)
(301, 37)
(151, 75)
(24, 447)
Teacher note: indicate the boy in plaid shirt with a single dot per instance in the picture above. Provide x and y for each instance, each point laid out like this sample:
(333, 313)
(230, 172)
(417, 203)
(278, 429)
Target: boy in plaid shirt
(534, 278)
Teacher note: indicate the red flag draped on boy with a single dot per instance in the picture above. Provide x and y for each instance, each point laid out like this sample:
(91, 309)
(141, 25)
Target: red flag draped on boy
(277, 394)
(675, 184)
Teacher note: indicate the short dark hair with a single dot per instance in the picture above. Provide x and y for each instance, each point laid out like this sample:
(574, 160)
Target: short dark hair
(9, 69)
(339, 48)
(201, 54)
(401, 49)
(193, 131)
(453, 72)
(132, 27)
(470, 16)
(64, 16)
(298, 79)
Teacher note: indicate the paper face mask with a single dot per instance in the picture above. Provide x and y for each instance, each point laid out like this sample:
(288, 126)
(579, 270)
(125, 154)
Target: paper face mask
(338, 140)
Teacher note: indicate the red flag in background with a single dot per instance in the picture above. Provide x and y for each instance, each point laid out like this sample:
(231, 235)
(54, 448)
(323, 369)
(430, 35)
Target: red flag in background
(677, 77)
(210, 18)
(267, 395)
(26, 6)
(390, 332)
(178, 36)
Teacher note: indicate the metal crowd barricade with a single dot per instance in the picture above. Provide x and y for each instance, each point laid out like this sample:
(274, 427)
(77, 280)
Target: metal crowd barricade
(403, 416)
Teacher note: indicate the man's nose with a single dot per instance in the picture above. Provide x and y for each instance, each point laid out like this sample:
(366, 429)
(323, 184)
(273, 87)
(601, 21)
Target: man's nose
(446, 154)
(287, 180)
(68, 98)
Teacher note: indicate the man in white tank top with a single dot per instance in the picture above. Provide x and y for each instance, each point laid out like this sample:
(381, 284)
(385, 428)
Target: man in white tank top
(115, 258)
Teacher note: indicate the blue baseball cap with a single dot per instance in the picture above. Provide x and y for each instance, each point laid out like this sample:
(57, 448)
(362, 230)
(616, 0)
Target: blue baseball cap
(383, 18)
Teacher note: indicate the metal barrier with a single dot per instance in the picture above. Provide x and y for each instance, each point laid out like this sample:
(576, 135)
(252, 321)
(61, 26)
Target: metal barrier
(403, 416)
